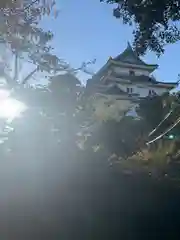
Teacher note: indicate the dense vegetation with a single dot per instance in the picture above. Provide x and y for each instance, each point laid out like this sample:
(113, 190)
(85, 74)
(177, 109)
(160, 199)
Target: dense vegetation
(59, 147)
(156, 22)
(61, 114)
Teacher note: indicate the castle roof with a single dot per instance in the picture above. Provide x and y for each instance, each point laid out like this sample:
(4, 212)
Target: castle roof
(145, 79)
(115, 90)
(129, 56)
(130, 60)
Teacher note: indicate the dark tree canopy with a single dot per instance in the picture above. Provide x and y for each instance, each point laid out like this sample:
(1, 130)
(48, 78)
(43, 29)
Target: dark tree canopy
(156, 22)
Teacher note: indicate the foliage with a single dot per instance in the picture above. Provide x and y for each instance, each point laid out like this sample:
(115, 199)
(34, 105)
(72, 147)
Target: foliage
(156, 22)
(155, 161)
(20, 32)
(155, 155)
(15, 4)
(154, 109)
(61, 115)
(169, 123)
(160, 158)
(28, 43)
(19, 27)
(51, 117)
(128, 135)
(51, 110)
(151, 110)
(124, 141)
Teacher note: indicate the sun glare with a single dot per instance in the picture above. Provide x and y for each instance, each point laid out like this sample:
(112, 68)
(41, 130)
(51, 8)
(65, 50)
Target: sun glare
(10, 108)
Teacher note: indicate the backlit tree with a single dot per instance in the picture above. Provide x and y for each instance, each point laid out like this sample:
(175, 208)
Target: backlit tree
(155, 22)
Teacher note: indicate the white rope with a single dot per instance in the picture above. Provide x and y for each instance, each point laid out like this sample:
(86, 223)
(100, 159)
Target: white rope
(167, 131)
(167, 115)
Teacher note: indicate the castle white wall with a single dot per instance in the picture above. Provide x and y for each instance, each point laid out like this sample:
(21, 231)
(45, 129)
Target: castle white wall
(143, 91)
(125, 71)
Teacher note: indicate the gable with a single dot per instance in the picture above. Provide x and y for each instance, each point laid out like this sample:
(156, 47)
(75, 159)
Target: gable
(132, 59)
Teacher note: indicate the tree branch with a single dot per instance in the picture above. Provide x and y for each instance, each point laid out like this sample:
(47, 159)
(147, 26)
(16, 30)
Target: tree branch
(15, 78)
(10, 82)
(29, 76)
(33, 2)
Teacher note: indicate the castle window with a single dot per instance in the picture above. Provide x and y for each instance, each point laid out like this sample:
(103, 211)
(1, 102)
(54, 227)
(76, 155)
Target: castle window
(131, 73)
(152, 93)
(129, 90)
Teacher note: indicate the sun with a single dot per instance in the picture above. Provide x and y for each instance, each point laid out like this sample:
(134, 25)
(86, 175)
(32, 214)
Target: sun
(10, 108)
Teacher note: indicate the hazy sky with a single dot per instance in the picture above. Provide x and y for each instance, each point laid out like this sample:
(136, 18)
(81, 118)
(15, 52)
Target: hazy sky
(86, 29)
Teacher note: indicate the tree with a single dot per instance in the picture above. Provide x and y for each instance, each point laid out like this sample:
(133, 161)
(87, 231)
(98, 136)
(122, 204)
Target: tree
(20, 32)
(130, 135)
(151, 110)
(42, 6)
(156, 22)
(169, 123)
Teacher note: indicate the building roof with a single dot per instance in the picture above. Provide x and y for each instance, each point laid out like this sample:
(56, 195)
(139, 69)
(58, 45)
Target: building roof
(144, 79)
(115, 90)
(128, 59)
(129, 56)
(141, 79)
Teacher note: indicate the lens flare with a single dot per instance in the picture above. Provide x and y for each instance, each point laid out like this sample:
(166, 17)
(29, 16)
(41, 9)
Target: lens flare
(10, 108)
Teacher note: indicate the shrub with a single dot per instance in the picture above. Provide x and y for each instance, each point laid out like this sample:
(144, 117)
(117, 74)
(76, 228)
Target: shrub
(154, 160)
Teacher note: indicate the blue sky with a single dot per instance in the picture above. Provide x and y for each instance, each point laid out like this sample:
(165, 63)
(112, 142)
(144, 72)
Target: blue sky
(86, 29)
